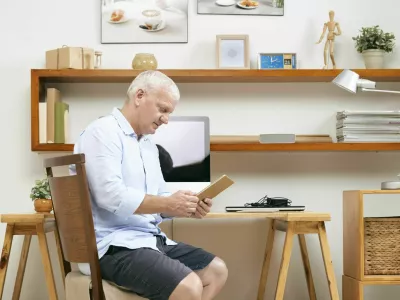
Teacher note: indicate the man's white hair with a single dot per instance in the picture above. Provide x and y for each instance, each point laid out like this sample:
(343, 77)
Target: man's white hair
(152, 80)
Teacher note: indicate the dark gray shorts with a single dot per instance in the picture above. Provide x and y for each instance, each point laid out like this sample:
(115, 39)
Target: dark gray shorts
(151, 274)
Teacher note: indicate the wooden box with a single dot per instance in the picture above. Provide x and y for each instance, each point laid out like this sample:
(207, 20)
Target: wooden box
(358, 234)
(70, 58)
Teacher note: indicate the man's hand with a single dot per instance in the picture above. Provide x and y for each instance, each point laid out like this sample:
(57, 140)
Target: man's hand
(181, 204)
(203, 208)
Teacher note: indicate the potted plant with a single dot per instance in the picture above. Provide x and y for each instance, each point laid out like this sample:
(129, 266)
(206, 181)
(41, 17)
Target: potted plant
(373, 43)
(41, 197)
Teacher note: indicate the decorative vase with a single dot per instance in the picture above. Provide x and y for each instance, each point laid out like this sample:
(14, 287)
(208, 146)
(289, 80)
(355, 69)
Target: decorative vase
(373, 58)
(43, 205)
(144, 61)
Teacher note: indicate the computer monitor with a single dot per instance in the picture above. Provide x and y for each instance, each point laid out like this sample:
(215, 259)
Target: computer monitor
(184, 152)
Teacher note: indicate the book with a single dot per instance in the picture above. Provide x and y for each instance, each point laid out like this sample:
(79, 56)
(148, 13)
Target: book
(52, 97)
(61, 122)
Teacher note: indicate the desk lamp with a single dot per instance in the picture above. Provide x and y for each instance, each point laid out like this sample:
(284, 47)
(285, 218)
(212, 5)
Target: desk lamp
(351, 82)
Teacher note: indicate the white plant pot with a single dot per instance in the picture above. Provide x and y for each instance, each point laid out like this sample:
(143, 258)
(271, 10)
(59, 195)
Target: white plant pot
(373, 58)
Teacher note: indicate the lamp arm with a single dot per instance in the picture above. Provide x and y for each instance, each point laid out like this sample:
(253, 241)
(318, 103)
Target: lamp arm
(380, 91)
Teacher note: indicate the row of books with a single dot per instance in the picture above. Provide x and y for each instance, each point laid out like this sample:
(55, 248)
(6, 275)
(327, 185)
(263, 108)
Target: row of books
(53, 118)
(368, 126)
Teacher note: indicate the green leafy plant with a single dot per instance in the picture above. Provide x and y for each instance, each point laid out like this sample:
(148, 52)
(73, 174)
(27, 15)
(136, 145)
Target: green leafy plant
(41, 190)
(374, 38)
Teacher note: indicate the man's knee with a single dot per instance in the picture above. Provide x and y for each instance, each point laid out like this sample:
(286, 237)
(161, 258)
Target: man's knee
(190, 288)
(219, 270)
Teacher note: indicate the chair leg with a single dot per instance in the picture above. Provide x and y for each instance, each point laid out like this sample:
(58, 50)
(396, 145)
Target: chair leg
(287, 251)
(5, 256)
(267, 259)
(60, 255)
(21, 268)
(48, 270)
(307, 267)
(326, 254)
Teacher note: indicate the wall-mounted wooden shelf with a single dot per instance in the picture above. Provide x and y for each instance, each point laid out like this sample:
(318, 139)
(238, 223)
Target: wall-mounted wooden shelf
(41, 77)
(213, 75)
(334, 147)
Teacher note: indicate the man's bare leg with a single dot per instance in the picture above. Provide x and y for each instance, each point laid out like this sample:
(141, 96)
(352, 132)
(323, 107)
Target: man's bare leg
(213, 278)
(190, 288)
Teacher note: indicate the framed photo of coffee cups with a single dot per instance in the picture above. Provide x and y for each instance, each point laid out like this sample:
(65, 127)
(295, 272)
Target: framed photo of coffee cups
(143, 21)
(241, 7)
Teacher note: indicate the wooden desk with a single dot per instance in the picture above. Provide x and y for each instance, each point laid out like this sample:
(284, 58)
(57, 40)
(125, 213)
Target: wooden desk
(292, 223)
(29, 224)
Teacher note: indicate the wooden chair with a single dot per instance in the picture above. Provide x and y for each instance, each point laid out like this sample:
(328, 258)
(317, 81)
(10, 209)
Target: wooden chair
(73, 215)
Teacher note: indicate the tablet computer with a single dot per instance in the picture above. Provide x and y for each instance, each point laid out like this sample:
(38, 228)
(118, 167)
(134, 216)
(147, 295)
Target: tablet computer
(215, 188)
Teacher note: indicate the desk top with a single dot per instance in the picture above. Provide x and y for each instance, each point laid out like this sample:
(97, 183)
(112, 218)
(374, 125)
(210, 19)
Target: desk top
(284, 216)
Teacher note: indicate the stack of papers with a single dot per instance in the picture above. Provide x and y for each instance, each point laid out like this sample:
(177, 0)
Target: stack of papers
(368, 126)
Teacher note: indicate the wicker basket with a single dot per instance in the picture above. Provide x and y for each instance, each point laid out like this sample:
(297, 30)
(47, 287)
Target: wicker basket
(382, 246)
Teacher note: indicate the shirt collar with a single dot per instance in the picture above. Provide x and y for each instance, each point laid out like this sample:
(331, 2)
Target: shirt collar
(124, 124)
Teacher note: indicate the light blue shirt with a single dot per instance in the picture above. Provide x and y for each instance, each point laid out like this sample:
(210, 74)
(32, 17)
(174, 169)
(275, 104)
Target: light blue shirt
(120, 170)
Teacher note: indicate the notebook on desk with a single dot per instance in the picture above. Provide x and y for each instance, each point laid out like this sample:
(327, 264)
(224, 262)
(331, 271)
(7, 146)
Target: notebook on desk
(263, 209)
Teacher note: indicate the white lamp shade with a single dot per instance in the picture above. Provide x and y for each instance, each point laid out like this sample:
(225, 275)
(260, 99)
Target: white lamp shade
(347, 80)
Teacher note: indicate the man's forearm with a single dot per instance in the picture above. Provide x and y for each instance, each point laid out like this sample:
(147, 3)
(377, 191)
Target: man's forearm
(153, 205)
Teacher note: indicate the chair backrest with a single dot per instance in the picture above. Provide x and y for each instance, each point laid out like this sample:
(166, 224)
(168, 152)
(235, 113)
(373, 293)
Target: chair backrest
(73, 216)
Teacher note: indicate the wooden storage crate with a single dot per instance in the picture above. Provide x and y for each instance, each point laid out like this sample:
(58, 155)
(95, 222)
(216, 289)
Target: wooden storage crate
(382, 246)
(371, 246)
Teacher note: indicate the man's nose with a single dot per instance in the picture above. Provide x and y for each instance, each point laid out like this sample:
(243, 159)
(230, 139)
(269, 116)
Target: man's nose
(164, 119)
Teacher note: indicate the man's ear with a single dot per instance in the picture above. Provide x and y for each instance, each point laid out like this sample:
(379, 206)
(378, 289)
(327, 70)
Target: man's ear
(139, 97)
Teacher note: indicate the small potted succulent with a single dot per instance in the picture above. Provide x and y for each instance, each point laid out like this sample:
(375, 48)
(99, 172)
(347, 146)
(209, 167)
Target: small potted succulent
(41, 197)
(373, 43)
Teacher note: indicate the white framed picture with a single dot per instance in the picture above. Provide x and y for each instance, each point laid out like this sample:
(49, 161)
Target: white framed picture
(144, 21)
(233, 52)
(241, 7)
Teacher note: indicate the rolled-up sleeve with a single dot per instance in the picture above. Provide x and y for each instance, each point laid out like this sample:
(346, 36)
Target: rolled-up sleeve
(103, 155)
(163, 191)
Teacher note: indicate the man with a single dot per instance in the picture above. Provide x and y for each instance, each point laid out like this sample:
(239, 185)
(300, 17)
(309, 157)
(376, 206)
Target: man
(129, 201)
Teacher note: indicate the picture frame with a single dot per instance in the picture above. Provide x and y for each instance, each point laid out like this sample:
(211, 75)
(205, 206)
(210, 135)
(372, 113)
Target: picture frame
(273, 8)
(232, 51)
(144, 22)
(277, 61)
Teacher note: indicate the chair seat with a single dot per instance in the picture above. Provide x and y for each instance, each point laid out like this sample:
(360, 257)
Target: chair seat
(77, 287)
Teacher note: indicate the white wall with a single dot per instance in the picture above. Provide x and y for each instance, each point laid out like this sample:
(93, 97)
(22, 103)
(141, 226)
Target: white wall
(28, 28)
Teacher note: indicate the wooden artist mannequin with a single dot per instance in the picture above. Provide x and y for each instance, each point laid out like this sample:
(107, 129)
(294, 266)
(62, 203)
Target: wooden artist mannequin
(330, 39)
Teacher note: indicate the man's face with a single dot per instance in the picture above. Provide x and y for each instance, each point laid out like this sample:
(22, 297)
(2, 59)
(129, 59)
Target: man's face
(154, 110)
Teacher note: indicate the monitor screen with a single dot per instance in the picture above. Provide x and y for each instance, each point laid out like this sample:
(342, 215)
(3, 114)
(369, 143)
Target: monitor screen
(184, 151)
